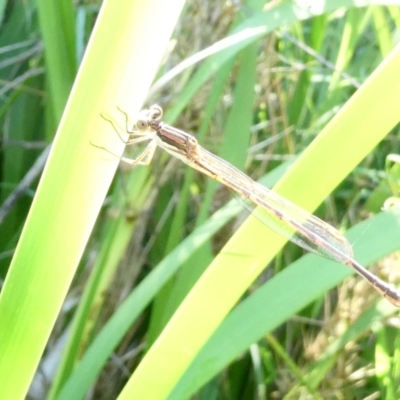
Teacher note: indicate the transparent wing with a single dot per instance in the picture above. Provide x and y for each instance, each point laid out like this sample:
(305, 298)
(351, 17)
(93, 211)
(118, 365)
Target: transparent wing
(284, 217)
(299, 226)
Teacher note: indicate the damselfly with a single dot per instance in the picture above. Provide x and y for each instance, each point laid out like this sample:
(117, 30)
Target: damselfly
(296, 224)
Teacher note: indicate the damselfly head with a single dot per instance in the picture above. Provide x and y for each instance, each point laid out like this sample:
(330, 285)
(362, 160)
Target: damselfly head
(149, 118)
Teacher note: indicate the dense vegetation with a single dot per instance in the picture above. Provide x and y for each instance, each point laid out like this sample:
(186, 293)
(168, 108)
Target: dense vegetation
(168, 294)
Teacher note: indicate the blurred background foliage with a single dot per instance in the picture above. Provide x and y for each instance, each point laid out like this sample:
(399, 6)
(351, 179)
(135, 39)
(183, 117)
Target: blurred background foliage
(258, 110)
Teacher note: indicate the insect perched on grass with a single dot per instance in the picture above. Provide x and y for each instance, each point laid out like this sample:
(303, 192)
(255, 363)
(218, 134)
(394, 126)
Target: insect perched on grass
(291, 221)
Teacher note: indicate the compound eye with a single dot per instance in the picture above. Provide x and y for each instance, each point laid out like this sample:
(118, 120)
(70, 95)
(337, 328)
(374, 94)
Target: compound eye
(156, 112)
(142, 124)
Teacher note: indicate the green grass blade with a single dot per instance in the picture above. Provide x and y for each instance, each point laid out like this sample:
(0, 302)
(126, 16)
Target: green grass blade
(349, 137)
(57, 27)
(284, 296)
(76, 179)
